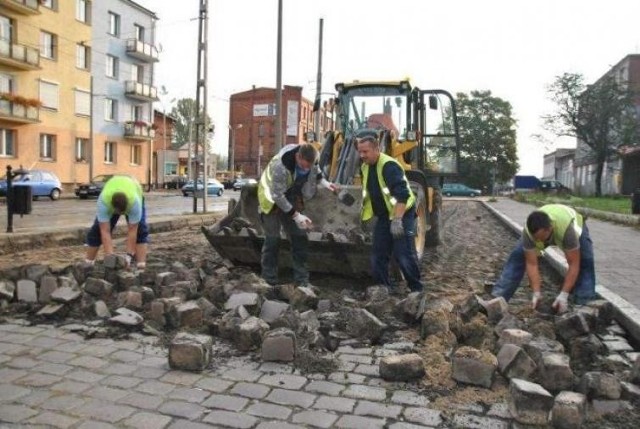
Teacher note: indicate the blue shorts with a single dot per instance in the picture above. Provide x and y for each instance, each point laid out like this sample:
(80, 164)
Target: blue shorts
(95, 240)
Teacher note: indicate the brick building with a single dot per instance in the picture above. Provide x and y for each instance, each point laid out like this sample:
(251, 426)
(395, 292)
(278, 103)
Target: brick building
(252, 124)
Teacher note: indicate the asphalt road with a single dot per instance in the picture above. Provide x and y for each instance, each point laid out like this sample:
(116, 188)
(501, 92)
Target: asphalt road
(66, 212)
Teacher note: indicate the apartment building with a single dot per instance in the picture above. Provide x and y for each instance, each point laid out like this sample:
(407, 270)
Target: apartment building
(123, 91)
(45, 51)
(252, 124)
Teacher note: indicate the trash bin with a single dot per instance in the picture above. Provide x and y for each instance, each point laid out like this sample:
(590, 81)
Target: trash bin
(21, 199)
(635, 202)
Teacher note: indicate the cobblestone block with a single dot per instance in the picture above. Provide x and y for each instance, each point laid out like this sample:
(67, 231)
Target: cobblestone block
(569, 410)
(377, 409)
(181, 377)
(98, 287)
(433, 322)
(270, 411)
(363, 324)
(225, 402)
(423, 416)
(514, 362)
(26, 291)
(291, 397)
(49, 419)
(284, 381)
(358, 422)
(514, 336)
(249, 300)
(189, 394)
(368, 370)
(402, 425)
(529, 403)
(250, 390)
(630, 391)
(155, 387)
(602, 407)
(405, 397)
(213, 384)
(88, 362)
(231, 419)
(103, 411)
(106, 393)
(402, 367)
(319, 419)
(62, 402)
(324, 387)
(142, 400)
(272, 310)
(7, 289)
(540, 345)
(585, 349)
(190, 352)
(38, 380)
(182, 409)
(470, 421)
(279, 345)
(555, 372)
(473, 366)
(121, 381)
(250, 333)
(16, 413)
(241, 374)
(48, 284)
(359, 391)
(333, 403)
(595, 384)
(303, 298)
(571, 325)
(144, 420)
(496, 308)
(187, 315)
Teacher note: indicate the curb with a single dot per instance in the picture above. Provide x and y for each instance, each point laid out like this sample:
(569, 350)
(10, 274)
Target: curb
(75, 235)
(625, 313)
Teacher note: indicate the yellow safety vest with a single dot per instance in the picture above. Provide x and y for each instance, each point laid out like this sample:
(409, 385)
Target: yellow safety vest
(389, 200)
(561, 217)
(264, 187)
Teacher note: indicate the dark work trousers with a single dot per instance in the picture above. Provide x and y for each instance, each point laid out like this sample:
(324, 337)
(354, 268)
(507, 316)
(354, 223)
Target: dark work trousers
(272, 223)
(402, 249)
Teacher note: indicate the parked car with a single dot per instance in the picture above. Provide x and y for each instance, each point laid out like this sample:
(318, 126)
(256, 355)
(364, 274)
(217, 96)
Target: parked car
(93, 188)
(459, 190)
(554, 187)
(43, 183)
(238, 184)
(214, 187)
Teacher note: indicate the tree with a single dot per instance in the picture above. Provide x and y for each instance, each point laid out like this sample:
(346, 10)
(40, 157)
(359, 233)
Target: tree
(602, 116)
(488, 139)
(184, 112)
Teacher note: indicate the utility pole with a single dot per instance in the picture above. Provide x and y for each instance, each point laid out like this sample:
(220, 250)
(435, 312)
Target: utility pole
(316, 104)
(201, 97)
(278, 144)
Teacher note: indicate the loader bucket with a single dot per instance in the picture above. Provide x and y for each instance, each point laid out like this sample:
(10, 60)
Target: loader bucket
(337, 244)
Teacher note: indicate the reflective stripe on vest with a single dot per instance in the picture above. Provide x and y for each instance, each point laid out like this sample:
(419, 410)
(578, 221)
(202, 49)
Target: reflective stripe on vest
(561, 217)
(264, 187)
(125, 184)
(389, 200)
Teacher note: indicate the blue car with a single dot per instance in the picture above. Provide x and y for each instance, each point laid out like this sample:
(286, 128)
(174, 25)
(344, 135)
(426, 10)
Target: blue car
(213, 188)
(43, 183)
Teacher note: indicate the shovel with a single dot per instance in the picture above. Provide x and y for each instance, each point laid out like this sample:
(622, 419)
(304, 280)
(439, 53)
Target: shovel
(346, 198)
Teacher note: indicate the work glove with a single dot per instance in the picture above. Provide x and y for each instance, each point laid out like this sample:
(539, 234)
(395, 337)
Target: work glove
(328, 185)
(397, 229)
(302, 221)
(560, 304)
(128, 259)
(535, 299)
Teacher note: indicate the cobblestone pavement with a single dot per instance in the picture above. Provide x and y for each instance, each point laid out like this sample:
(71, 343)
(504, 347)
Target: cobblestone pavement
(53, 377)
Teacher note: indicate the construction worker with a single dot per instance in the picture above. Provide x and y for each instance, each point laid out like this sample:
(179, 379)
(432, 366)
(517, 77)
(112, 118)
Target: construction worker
(121, 195)
(291, 176)
(552, 225)
(386, 194)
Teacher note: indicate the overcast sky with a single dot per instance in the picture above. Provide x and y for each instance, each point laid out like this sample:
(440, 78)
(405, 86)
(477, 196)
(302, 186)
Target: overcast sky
(512, 48)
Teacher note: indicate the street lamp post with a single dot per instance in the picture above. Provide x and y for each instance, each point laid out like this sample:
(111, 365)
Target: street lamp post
(232, 151)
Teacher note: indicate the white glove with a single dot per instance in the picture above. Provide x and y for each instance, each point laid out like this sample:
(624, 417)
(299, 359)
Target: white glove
(535, 299)
(128, 259)
(397, 229)
(328, 185)
(302, 221)
(560, 304)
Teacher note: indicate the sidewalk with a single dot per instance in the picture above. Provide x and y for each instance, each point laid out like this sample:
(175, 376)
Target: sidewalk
(617, 255)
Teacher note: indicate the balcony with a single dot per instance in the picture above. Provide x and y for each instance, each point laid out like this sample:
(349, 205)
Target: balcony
(138, 130)
(142, 51)
(140, 91)
(18, 56)
(18, 113)
(23, 7)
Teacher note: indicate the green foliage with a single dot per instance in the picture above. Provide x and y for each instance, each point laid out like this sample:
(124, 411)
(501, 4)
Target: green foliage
(184, 112)
(617, 204)
(602, 116)
(488, 139)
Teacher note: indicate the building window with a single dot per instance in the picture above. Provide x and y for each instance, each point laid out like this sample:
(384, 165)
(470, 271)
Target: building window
(82, 146)
(114, 24)
(139, 31)
(49, 95)
(137, 73)
(110, 109)
(110, 152)
(47, 146)
(50, 4)
(112, 66)
(136, 155)
(137, 112)
(7, 142)
(47, 45)
(83, 102)
(83, 11)
(6, 83)
(83, 56)
(170, 168)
